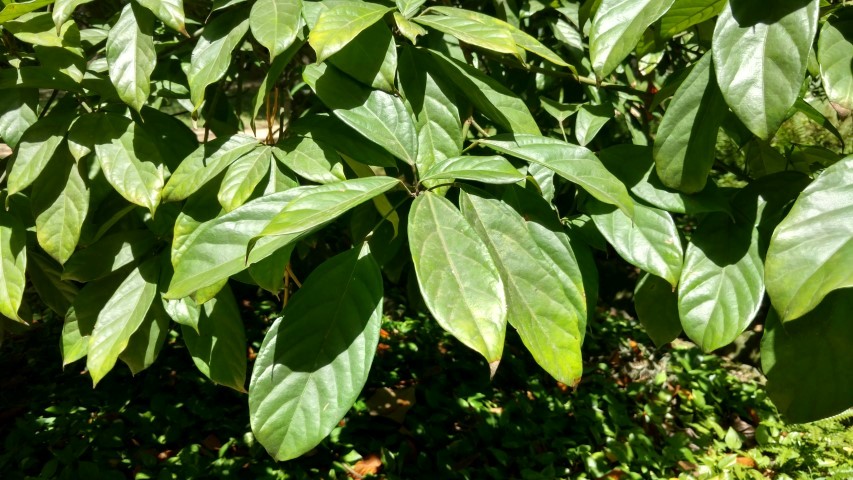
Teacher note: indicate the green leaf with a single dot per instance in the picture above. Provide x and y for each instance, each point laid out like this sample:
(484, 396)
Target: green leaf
(212, 54)
(370, 58)
(131, 55)
(488, 96)
(320, 205)
(812, 249)
(314, 360)
(328, 129)
(37, 146)
(480, 31)
(37, 77)
(108, 254)
(269, 272)
(63, 9)
(130, 160)
(170, 12)
(762, 159)
(835, 56)
(543, 303)
(122, 315)
(807, 361)
(590, 120)
(13, 265)
(147, 341)
(722, 282)
(341, 23)
(457, 277)
(219, 347)
(409, 7)
(243, 176)
(60, 202)
(310, 159)
(617, 27)
(275, 24)
(205, 164)
(494, 169)
(575, 164)
(436, 114)
(685, 13)
(408, 28)
(760, 56)
(648, 240)
(657, 309)
(379, 116)
(18, 109)
(184, 311)
(81, 318)
(37, 29)
(685, 145)
(14, 10)
(816, 116)
(45, 274)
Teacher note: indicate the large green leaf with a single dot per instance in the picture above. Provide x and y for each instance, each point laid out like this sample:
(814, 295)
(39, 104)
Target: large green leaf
(131, 161)
(146, 342)
(649, 240)
(685, 145)
(219, 346)
(436, 114)
(807, 362)
(212, 54)
(310, 159)
(13, 265)
(685, 13)
(370, 58)
(617, 27)
(131, 55)
(205, 164)
(835, 56)
(37, 77)
(488, 95)
(760, 56)
(341, 23)
(811, 251)
(108, 254)
(46, 276)
(379, 116)
(722, 282)
(80, 319)
(314, 360)
(243, 176)
(543, 300)
(657, 309)
(457, 276)
(575, 164)
(14, 10)
(122, 315)
(330, 130)
(36, 148)
(18, 109)
(60, 202)
(170, 12)
(275, 24)
(494, 169)
(480, 30)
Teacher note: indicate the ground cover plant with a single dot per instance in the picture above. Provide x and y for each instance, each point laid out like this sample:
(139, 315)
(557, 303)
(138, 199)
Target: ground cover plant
(484, 158)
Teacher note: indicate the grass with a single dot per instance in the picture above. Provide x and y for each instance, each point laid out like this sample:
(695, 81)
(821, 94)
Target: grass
(428, 411)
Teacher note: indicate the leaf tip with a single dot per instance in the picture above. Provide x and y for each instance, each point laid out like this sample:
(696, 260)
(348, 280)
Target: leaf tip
(493, 368)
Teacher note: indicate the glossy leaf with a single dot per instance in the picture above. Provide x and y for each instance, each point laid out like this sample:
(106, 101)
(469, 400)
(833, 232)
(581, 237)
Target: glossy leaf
(835, 56)
(146, 342)
(314, 360)
(806, 361)
(80, 319)
(243, 176)
(14, 10)
(219, 347)
(685, 13)
(18, 109)
(370, 58)
(269, 272)
(685, 145)
(13, 265)
(335, 133)
(122, 315)
(722, 282)
(617, 27)
(494, 169)
(131, 55)
(760, 55)
(656, 303)
(36, 148)
(170, 12)
(107, 255)
(212, 54)
(812, 249)
(542, 300)
(310, 159)
(60, 202)
(409, 7)
(480, 31)
(457, 276)
(590, 120)
(341, 23)
(275, 24)
(205, 164)
(574, 163)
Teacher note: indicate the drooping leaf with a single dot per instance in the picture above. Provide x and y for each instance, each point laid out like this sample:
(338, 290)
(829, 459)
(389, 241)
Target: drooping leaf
(122, 315)
(617, 27)
(108, 254)
(806, 361)
(835, 56)
(812, 249)
(370, 58)
(131, 55)
(13, 265)
(243, 176)
(45, 274)
(457, 276)
(219, 347)
(379, 116)
(656, 303)
(310, 159)
(330, 130)
(170, 12)
(314, 360)
(80, 319)
(408, 28)
(269, 272)
(813, 114)
(481, 31)
(205, 164)
(543, 303)
(341, 23)
(146, 342)
(574, 163)
(275, 24)
(494, 169)
(36, 148)
(212, 54)
(684, 149)
(590, 120)
(722, 282)
(60, 202)
(685, 13)
(17, 113)
(760, 56)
